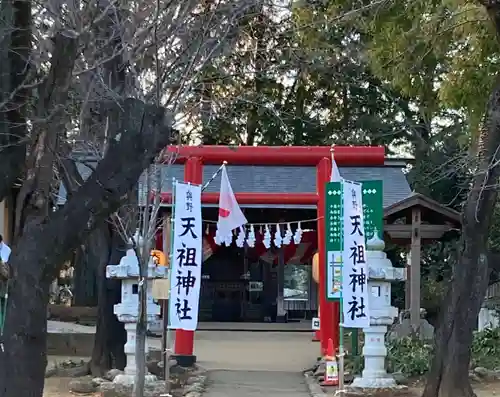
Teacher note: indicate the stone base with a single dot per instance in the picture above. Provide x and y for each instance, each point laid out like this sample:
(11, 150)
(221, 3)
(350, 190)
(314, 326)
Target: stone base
(128, 380)
(123, 385)
(374, 383)
(184, 360)
(281, 319)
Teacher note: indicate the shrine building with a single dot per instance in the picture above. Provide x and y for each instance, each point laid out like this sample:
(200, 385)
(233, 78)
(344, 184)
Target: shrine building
(272, 185)
(270, 285)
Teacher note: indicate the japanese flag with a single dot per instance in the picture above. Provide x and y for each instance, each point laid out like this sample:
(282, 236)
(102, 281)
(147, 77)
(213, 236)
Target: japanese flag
(335, 175)
(230, 215)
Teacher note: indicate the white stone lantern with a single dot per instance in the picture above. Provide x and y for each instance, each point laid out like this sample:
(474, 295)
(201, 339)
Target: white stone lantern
(127, 311)
(382, 315)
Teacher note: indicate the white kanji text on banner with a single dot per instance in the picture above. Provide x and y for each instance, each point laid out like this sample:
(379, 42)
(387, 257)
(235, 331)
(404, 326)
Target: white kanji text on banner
(185, 280)
(354, 266)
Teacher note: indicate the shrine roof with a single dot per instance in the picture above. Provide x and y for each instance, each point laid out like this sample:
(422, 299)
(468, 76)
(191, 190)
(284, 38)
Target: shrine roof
(431, 209)
(296, 179)
(282, 179)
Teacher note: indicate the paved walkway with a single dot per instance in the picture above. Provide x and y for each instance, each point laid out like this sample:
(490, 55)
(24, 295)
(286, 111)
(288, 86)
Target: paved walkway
(255, 383)
(248, 364)
(253, 351)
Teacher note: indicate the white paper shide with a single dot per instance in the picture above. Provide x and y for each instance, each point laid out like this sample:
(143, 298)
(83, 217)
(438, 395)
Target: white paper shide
(354, 269)
(185, 279)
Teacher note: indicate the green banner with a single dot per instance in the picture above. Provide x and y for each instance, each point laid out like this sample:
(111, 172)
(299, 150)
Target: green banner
(373, 211)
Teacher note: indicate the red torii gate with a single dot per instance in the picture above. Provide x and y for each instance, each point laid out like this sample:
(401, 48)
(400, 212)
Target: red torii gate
(193, 158)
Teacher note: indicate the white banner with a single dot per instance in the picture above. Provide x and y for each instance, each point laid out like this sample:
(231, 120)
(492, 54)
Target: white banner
(185, 280)
(354, 266)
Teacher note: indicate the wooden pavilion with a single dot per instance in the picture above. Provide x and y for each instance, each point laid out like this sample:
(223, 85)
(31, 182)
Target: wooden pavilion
(411, 222)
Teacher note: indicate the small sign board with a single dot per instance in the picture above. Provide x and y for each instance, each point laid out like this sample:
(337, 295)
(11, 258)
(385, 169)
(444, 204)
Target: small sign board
(332, 372)
(161, 287)
(315, 324)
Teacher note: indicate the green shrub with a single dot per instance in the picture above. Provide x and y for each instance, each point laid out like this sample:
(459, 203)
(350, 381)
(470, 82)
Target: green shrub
(409, 355)
(412, 356)
(485, 350)
(354, 364)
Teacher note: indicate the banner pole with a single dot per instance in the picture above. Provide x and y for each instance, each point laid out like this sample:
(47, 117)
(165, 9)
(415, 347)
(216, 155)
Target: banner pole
(168, 336)
(341, 305)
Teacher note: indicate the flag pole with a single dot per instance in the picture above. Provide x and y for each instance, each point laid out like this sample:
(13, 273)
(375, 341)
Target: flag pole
(214, 176)
(341, 300)
(168, 331)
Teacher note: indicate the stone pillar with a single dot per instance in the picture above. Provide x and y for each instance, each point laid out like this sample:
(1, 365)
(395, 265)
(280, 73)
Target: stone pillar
(382, 314)
(129, 348)
(375, 352)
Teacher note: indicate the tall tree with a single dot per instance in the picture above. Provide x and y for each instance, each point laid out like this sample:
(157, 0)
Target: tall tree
(294, 78)
(454, 336)
(443, 55)
(170, 43)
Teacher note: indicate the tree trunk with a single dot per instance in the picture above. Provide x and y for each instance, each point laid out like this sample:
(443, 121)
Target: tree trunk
(97, 127)
(449, 375)
(26, 318)
(24, 360)
(141, 330)
(89, 258)
(42, 249)
(110, 337)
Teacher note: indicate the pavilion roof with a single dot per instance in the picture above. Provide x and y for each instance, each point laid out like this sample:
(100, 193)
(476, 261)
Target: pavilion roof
(431, 210)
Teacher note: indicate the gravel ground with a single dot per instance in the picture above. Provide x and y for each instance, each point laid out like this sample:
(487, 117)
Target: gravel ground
(58, 387)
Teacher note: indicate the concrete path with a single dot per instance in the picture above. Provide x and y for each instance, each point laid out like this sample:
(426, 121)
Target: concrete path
(255, 383)
(248, 364)
(253, 351)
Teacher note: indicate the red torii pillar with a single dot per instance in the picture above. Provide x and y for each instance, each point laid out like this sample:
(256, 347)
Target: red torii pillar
(194, 156)
(329, 316)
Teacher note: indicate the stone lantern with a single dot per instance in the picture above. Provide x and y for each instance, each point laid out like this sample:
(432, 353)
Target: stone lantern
(128, 310)
(382, 315)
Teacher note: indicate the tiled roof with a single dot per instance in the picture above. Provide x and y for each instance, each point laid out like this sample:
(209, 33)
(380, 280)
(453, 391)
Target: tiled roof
(292, 179)
(285, 179)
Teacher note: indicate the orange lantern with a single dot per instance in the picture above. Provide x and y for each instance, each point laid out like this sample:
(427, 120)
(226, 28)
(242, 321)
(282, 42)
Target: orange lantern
(159, 258)
(315, 267)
